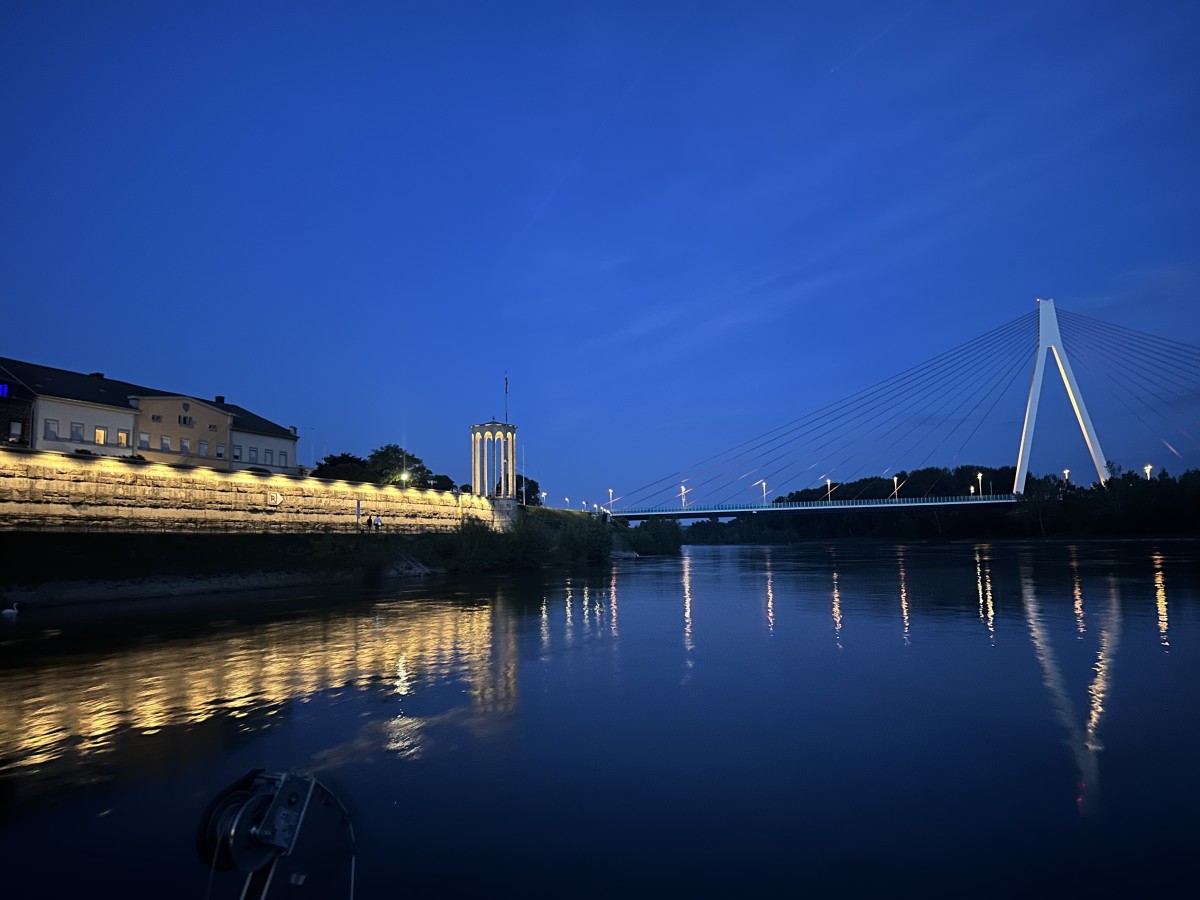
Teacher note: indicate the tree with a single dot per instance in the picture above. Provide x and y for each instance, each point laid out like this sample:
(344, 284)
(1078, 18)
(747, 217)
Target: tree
(343, 467)
(391, 462)
(529, 491)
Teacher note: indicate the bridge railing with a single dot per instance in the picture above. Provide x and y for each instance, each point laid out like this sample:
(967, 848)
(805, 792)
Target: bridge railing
(725, 509)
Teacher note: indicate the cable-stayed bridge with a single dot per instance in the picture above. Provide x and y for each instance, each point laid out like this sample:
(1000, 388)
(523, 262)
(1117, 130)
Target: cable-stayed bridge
(931, 412)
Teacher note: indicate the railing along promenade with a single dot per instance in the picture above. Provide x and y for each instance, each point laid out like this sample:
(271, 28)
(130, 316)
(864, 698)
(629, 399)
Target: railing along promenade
(723, 510)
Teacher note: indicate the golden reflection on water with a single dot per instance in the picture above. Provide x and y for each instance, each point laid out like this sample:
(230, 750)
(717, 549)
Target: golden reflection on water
(983, 584)
(903, 593)
(1160, 599)
(82, 707)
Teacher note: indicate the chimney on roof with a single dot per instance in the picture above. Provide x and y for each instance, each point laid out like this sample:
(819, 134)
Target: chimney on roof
(293, 429)
(220, 398)
(96, 374)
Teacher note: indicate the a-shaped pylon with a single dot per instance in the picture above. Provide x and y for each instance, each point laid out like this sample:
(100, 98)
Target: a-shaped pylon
(1049, 338)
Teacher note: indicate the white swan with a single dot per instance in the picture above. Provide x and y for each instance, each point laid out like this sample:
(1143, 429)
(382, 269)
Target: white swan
(9, 615)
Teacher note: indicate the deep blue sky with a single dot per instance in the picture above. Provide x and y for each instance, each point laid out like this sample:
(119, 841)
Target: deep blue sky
(673, 225)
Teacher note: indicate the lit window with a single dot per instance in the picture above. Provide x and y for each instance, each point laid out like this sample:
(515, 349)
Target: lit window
(101, 435)
(269, 457)
(185, 445)
(237, 452)
(203, 449)
(283, 458)
(220, 451)
(77, 431)
(143, 440)
(253, 454)
(164, 444)
(122, 438)
(50, 429)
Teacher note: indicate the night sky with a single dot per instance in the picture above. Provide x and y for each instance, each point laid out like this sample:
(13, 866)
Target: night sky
(672, 226)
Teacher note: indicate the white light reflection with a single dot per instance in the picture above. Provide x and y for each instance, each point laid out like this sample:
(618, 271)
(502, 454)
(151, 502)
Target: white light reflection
(570, 621)
(837, 613)
(403, 679)
(770, 596)
(903, 595)
(1084, 742)
(1160, 599)
(688, 643)
(545, 626)
(1079, 623)
(612, 602)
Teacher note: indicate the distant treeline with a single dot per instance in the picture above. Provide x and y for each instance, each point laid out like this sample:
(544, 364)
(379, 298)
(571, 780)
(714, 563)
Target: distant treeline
(1128, 504)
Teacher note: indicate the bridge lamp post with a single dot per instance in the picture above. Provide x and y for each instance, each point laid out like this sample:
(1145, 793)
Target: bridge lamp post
(979, 475)
(972, 490)
(895, 487)
(828, 491)
(1147, 469)
(610, 501)
(763, 482)
(683, 496)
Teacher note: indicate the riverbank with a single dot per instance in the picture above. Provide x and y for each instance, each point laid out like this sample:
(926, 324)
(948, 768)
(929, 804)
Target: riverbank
(59, 569)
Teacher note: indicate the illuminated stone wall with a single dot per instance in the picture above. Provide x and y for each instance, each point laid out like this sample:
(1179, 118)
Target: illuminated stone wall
(54, 491)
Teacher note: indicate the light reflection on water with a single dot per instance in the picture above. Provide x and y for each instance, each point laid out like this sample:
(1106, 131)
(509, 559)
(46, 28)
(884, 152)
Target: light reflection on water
(825, 690)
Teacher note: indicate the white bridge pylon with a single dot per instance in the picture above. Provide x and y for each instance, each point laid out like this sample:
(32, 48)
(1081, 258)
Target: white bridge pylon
(1049, 339)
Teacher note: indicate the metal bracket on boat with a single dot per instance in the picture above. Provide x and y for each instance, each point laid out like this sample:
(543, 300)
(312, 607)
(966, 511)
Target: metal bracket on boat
(283, 829)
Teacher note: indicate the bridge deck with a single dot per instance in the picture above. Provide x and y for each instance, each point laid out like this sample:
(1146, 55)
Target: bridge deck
(726, 510)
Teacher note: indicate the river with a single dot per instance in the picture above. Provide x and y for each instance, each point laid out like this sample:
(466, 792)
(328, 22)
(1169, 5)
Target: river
(828, 719)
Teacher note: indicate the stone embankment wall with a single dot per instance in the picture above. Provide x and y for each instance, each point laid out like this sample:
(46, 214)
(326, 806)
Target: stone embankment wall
(59, 492)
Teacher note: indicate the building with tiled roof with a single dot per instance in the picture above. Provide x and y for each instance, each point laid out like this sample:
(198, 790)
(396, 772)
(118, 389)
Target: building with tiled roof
(44, 408)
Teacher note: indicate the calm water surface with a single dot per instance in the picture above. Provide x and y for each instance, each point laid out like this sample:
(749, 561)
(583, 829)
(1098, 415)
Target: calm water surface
(960, 720)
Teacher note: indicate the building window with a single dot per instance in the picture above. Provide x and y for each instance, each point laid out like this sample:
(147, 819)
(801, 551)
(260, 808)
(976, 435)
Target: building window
(237, 452)
(50, 429)
(122, 437)
(187, 421)
(14, 432)
(185, 445)
(77, 431)
(203, 450)
(269, 457)
(212, 427)
(253, 454)
(155, 418)
(101, 435)
(220, 451)
(164, 444)
(283, 458)
(143, 440)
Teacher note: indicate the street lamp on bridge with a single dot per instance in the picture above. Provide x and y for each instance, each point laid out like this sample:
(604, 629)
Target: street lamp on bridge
(979, 475)
(1147, 469)
(763, 482)
(610, 501)
(828, 490)
(895, 487)
(683, 496)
